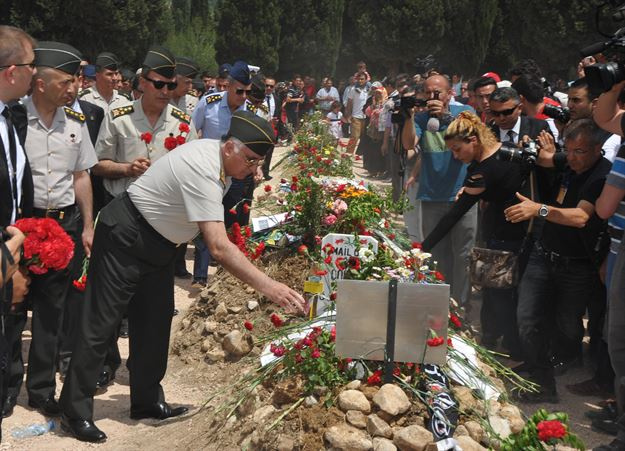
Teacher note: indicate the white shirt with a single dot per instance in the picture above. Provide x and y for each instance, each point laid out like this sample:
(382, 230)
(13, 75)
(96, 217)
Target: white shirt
(610, 147)
(503, 133)
(20, 157)
(358, 97)
(270, 101)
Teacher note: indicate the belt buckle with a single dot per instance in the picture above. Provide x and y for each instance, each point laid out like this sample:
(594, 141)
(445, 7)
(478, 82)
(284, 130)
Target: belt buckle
(50, 213)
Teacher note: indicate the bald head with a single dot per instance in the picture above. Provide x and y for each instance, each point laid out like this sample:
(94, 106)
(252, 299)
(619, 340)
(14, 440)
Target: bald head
(438, 86)
(439, 80)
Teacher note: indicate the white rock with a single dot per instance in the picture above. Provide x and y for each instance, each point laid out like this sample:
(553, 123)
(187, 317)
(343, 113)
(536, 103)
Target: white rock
(383, 444)
(252, 305)
(185, 323)
(377, 427)
(356, 418)
(353, 385)
(206, 345)
(310, 401)
(500, 426)
(345, 437)
(412, 438)
(475, 430)
(391, 399)
(221, 312)
(468, 444)
(263, 413)
(513, 415)
(210, 326)
(234, 308)
(354, 400)
(237, 343)
(285, 444)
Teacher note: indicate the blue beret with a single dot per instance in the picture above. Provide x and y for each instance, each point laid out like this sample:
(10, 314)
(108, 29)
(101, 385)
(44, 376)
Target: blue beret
(241, 72)
(89, 71)
(224, 70)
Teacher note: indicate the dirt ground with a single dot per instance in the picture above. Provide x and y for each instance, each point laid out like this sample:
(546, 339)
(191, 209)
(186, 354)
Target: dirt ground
(189, 383)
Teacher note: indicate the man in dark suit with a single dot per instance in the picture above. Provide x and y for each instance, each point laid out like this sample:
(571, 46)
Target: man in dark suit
(16, 189)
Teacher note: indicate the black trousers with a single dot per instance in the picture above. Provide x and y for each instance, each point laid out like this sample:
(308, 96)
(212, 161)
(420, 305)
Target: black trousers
(132, 267)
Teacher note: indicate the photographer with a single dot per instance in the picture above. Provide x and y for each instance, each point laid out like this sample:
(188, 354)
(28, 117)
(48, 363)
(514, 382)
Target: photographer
(562, 275)
(440, 179)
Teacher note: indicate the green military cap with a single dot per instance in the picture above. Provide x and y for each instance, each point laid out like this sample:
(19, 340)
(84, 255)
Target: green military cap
(58, 56)
(107, 60)
(127, 74)
(253, 131)
(186, 67)
(161, 61)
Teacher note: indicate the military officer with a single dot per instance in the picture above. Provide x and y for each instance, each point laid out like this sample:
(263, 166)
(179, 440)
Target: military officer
(135, 135)
(183, 97)
(60, 153)
(257, 97)
(103, 93)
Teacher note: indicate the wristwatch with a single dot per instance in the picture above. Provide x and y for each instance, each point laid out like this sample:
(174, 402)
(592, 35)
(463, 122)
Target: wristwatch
(543, 211)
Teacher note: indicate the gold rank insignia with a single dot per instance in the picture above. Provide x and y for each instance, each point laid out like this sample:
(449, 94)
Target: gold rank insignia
(222, 177)
(213, 98)
(122, 111)
(74, 114)
(181, 115)
(250, 106)
(83, 92)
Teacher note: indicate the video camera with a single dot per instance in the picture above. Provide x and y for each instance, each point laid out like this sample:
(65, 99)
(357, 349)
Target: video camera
(601, 77)
(558, 113)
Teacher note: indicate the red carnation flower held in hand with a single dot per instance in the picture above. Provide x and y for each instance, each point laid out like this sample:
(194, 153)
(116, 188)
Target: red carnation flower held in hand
(550, 429)
(184, 128)
(47, 246)
(147, 137)
(81, 283)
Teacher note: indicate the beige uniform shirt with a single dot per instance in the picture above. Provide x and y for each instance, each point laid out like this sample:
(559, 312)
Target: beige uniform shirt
(55, 153)
(186, 103)
(92, 95)
(120, 138)
(181, 189)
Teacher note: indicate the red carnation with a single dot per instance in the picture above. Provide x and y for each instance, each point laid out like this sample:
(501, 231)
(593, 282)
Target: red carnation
(439, 275)
(147, 137)
(180, 140)
(455, 320)
(339, 263)
(171, 143)
(303, 249)
(315, 354)
(246, 207)
(184, 128)
(434, 342)
(267, 188)
(328, 260)
(276, 320)
(47, 245)
(354, 263)
(375, 378)
(416, 245)
(320, 272)
(333, 296)
(232, 211)
(391, 236)
(248, 325)
(550, 429)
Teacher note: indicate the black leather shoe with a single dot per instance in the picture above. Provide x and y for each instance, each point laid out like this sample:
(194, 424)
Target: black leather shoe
(160, 411)
(9, 405)
(83, 430)
(605, 426)
(48, 407)
(123, 328)
(105, 379)
(183, 274)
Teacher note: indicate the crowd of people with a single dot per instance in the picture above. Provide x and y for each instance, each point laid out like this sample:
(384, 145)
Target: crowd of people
(512, 166)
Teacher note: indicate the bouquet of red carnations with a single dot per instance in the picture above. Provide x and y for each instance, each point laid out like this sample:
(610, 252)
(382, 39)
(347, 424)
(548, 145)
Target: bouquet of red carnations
(47, 246)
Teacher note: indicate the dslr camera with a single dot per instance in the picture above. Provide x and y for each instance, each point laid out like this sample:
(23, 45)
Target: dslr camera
(526, 155)
(558, 113)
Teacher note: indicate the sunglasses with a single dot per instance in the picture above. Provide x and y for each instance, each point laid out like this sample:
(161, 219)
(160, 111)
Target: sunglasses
(159, 84)
(241, 91)
(270, 86)
(507, 112)
(31, 65)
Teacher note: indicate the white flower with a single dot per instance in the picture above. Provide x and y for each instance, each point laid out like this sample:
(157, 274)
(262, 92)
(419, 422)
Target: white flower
(366, 255)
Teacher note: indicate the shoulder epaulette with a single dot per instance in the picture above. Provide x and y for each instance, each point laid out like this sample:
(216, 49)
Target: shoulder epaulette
(84, 91)
(263, 107)
(250, 106)
(213, 98)
(192, 94)
(125, 95)
(74, 114)
(181, 115)
(122, 111)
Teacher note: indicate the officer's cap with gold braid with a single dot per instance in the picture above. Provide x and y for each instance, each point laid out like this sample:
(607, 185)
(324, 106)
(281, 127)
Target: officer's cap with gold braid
(161, 61)
(186, 67)
(253, 131)
(58, 56)
(107, 60)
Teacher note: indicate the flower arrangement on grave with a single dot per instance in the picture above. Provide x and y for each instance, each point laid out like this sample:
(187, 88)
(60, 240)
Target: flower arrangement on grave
(543, 430)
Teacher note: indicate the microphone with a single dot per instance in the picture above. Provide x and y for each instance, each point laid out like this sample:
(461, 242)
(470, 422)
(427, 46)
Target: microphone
(433, 124)
(595, 48)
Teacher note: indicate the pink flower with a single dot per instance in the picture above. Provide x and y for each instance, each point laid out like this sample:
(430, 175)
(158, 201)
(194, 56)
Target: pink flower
(329, 220)
(339, 207)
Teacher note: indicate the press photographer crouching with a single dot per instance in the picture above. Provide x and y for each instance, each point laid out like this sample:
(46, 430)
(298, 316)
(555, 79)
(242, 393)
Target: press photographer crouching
(495, 180)
(562, 275)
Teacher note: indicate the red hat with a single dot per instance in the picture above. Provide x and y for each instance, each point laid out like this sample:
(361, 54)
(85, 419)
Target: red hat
(492, 75)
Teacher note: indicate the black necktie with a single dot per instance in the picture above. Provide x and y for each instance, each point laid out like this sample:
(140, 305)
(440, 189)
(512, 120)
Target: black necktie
(13, 154)
(510, 136)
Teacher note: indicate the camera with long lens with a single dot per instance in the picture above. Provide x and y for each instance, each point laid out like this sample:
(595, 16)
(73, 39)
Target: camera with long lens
(558, 113)
(402, 106)
(526, 155)
(601, 77)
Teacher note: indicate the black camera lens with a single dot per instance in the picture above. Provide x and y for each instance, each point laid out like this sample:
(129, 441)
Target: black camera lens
(601, 77)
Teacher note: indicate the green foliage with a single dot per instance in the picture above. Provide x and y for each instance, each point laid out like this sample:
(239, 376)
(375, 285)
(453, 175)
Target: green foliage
(395, 33)
(310, 37)
(250, 33)
(195, 41)
(125, 27)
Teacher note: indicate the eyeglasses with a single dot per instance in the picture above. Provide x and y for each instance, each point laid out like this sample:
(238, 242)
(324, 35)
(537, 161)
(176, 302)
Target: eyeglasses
(249, 162)
(31, 65)
(241, 91)
(507, 112)
(159, 84)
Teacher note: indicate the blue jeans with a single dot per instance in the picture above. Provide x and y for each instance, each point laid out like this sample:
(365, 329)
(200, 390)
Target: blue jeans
(553, 297)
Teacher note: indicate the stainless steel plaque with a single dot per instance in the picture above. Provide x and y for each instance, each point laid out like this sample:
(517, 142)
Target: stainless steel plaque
(361, 312)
